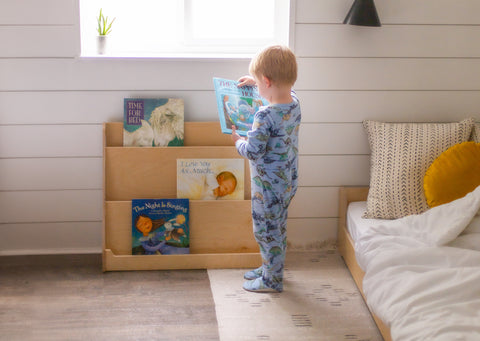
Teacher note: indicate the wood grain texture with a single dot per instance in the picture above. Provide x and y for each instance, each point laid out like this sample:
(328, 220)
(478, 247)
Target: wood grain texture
(69, 298)
(215, 227)
(422, 65)
(346, 245)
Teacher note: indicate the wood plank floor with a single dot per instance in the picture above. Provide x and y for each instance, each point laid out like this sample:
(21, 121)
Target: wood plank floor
(68, 297)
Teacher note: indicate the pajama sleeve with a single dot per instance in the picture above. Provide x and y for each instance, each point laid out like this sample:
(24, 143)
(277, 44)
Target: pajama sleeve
(256, 145)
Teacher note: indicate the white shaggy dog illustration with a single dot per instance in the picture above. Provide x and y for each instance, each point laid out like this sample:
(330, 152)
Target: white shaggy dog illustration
(167, 122)
(142, 137)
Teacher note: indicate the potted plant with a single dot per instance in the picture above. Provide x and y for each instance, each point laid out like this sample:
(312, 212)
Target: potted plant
(104, 28)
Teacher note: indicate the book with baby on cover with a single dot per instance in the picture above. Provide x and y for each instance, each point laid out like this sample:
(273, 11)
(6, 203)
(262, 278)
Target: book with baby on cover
(211, 179)
(153, 122)
(236, 106)
(160, 227)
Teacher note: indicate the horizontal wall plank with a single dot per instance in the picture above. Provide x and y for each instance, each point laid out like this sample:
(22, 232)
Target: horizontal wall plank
(314, 202)
(51, 206)
(87, 107)
(50, 141)
(332, 138)
(86, 205)
(50, 238)
(314, 74)
(117, 73)
(459, 12)
(46, 174)
(388, 74)
(32, 141)
(341, 170)
(389, 41)
(39, 41)
(388, 106)
(86, 237)
(38, 12)
(50, 174)
(311, 233)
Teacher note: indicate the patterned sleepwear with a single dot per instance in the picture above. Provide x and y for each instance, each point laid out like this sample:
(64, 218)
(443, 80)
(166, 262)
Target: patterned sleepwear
(272, 149)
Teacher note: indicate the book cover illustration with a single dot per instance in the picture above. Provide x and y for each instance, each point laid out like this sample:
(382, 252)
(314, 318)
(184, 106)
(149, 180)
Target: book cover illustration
(236, 106)
(211, 179)
(153, 122)
(160, 227)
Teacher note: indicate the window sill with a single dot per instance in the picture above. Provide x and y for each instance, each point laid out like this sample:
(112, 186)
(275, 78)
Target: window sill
(172, 56)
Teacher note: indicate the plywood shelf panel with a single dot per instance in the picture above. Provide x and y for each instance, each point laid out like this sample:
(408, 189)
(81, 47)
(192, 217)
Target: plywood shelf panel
(113, 262)
(196, 134)
(151, 172)
(220, 230)
(215, 227)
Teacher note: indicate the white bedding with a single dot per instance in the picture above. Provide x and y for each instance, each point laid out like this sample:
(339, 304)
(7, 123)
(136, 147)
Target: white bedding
(422, 272)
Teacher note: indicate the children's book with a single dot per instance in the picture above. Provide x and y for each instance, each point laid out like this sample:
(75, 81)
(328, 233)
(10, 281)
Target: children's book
(236, 106)
(153, 122)
(160, 227)
(211, 179)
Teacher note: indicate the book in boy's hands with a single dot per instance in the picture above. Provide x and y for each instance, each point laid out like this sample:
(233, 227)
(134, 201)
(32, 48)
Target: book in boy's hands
(236, 106)
(160, 227)
(211, 179)
(153, 122)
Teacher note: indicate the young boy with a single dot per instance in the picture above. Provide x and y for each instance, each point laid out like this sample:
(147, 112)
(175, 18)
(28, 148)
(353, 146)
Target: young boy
(272, 148)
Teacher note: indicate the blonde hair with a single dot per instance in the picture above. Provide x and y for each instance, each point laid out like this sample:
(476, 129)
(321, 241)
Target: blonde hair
(277, 63)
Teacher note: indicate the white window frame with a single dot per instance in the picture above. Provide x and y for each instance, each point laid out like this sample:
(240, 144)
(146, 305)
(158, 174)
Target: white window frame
(190, 47)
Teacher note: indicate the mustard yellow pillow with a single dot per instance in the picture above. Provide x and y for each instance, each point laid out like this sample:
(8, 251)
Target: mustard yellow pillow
(453, 174)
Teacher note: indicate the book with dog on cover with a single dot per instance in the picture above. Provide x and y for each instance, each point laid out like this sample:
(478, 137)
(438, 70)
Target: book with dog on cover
(160, 227)
(153, 122)
(236, 106)
(211, 179)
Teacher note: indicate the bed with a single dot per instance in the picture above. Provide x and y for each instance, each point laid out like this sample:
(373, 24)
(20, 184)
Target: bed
(417, 266)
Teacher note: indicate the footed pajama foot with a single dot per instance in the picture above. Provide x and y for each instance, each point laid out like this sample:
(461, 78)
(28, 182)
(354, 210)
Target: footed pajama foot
(254, 274)
(257, 285)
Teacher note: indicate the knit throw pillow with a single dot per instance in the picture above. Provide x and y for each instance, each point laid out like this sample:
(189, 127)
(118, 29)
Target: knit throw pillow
(476, 133)
(400, 155)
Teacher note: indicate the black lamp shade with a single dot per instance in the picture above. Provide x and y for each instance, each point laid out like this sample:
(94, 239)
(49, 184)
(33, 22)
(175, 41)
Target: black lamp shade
(363, 13)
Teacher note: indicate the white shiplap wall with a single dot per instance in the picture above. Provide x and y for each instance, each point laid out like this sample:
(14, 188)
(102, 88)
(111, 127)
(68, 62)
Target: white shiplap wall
(423, 64)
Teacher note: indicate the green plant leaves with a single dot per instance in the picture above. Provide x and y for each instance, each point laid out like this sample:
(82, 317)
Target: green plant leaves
(104, 27)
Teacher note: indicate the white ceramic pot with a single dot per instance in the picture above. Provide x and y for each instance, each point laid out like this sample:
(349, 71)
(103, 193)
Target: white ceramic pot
(101, 44)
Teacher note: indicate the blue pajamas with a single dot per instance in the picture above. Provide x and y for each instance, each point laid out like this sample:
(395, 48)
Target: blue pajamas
(272, 148)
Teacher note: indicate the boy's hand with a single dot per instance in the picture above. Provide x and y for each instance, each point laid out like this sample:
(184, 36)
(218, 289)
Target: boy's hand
(246, 81)
(235, 136)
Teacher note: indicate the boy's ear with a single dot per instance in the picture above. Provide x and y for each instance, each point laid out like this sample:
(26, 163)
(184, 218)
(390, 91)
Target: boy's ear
(267, 81)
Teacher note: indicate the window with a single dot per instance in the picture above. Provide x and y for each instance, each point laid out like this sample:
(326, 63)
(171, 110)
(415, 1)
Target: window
(178, 28)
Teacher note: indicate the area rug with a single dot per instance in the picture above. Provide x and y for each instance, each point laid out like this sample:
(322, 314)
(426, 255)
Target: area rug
(69, 298)
(320, 302)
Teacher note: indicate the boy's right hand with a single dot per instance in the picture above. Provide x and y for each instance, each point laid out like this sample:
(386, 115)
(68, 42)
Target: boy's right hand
(246, 81)
(235, 136)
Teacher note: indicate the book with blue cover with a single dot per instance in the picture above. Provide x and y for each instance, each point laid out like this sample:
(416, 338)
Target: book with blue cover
(236, 106)
(160, 227)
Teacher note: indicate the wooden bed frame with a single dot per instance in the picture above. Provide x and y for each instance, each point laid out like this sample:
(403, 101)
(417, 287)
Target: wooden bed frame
(346, 245)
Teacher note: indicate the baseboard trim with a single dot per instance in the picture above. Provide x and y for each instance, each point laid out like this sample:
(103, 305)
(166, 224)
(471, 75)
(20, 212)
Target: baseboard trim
(66, 251)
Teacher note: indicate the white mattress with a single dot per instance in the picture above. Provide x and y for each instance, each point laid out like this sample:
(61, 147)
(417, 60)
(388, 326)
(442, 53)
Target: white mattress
(356, 225)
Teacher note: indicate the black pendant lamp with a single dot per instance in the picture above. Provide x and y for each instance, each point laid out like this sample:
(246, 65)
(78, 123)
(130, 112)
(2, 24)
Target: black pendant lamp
(363, 13)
